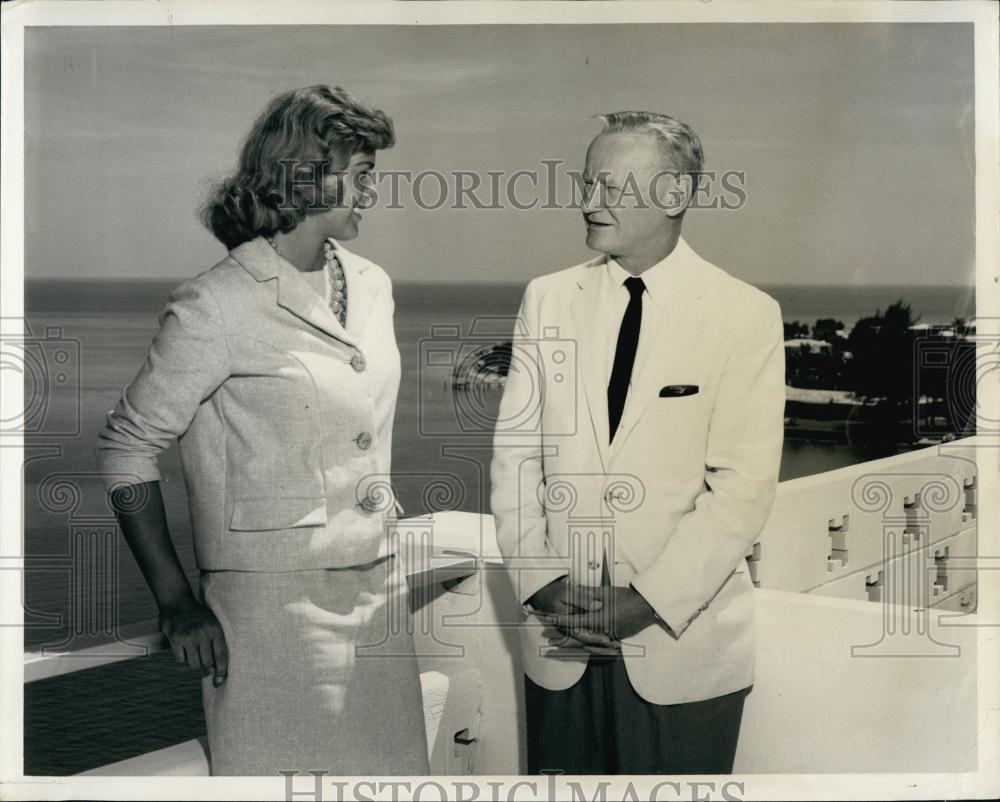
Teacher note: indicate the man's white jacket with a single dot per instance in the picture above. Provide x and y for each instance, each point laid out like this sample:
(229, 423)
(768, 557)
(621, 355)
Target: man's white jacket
(676, 502)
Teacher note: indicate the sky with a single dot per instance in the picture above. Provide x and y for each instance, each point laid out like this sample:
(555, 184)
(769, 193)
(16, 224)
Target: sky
(856, 140)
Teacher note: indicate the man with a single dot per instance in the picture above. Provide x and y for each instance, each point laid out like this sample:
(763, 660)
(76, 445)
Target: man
(636, 460)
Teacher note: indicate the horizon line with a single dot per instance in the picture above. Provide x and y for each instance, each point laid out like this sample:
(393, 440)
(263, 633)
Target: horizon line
(180, 279)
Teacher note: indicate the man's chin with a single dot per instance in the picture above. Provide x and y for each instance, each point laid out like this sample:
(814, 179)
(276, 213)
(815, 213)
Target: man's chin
(597, 240)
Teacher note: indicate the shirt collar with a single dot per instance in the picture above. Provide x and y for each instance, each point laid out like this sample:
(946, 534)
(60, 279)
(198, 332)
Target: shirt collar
(655, 278)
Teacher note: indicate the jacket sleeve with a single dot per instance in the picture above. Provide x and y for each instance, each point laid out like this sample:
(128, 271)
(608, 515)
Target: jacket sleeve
(516, 471)
(744, 451)
(187, 361)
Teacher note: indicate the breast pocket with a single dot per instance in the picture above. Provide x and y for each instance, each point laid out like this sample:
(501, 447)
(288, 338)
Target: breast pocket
(678, 424)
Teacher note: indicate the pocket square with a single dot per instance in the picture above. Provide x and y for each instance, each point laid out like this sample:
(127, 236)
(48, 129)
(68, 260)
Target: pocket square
(678, 390)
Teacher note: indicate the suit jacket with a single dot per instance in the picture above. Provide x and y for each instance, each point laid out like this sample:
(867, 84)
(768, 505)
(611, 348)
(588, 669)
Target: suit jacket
(679, 497)
(284, 417)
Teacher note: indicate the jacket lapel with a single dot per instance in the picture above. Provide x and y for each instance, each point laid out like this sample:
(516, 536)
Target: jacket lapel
(301, 300)
(588, 332)
(296, 296)
(362, 291)
(675, 325)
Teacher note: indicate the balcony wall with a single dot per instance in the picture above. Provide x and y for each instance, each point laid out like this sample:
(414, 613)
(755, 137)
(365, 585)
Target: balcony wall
(831, 534)
(866, 648)
(866, 580)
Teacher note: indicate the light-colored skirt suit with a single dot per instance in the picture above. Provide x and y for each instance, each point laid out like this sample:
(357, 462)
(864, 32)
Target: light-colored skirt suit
(284, 419)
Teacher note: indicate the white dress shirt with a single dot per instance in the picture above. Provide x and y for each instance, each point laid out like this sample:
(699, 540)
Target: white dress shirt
(613, 288)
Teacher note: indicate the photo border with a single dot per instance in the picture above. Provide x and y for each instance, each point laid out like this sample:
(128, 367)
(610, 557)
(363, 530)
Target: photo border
(17, 16)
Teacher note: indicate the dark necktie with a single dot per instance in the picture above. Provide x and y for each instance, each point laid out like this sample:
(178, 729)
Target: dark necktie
(628, 341)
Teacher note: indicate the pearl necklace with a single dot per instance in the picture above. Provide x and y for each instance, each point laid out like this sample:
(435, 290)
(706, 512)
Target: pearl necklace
(338, 281)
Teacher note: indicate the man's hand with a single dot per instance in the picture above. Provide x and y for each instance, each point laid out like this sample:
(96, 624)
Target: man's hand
(560, 597)
(196, 637)
(624, 612)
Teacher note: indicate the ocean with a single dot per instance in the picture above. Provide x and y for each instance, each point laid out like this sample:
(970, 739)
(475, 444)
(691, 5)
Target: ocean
(90, 337)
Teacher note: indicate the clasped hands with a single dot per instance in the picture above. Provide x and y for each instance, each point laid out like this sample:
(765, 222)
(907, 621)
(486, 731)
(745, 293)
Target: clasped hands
(594, 620)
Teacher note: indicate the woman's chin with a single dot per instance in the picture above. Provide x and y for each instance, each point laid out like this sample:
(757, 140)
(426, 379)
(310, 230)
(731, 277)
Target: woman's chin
(347, 233)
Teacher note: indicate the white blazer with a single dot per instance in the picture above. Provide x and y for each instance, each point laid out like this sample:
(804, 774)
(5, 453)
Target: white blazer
(677, 500)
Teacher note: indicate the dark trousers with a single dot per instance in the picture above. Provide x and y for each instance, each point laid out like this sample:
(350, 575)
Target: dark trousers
(602, 726)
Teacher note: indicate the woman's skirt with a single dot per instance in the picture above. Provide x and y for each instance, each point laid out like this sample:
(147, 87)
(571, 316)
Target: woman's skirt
(322, 673)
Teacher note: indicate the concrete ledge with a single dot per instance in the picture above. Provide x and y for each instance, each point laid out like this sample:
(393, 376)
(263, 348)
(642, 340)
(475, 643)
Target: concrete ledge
(190, 759)
(851, 686)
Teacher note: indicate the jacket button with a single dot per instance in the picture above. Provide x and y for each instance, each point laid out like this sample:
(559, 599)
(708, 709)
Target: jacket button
(364, 441)
(358, 362)
(370, 504)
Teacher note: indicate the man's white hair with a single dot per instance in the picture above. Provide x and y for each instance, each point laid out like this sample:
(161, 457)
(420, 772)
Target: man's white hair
(678, 143)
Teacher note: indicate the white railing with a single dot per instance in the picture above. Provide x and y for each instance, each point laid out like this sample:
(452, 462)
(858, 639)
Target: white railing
(450, 701)
(425, 569)
(866, 578)
(846, 533)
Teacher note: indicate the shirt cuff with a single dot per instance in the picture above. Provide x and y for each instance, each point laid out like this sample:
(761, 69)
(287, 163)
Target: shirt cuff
(529, 582)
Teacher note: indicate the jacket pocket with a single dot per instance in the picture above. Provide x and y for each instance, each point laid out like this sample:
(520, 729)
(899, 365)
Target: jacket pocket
(261, 514)
(677, 426)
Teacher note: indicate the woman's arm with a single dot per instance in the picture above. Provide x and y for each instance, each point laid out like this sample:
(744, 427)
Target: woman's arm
(186, 364)
(196, 637)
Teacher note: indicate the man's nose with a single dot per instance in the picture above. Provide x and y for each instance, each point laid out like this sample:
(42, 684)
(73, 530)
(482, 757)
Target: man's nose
(592, 199)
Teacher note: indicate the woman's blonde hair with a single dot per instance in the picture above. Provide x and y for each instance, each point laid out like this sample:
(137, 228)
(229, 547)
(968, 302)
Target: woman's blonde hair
(301, 137)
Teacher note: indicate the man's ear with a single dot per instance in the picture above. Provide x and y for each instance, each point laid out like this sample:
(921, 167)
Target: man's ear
(673, 191)
(680, 195)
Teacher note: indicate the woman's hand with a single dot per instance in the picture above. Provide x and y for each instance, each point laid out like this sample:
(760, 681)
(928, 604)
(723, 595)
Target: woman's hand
(196, 637)
(195, 634)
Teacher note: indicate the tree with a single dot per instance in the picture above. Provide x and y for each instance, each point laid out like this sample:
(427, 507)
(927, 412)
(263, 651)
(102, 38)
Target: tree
(882, 349)
(795, 329)
(826, 328)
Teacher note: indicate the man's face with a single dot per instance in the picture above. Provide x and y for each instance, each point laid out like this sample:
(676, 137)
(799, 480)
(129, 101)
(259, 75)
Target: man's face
(622, 219)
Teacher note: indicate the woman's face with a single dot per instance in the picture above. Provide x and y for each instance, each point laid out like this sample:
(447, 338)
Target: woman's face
(350, 191)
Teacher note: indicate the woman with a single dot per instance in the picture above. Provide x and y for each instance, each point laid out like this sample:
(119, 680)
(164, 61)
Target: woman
(278, 371)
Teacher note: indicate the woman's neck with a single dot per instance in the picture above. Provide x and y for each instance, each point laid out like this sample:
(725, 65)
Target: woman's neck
(301, 247)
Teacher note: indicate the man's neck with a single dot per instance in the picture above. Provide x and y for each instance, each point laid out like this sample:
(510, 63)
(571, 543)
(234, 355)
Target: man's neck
(636, 264)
